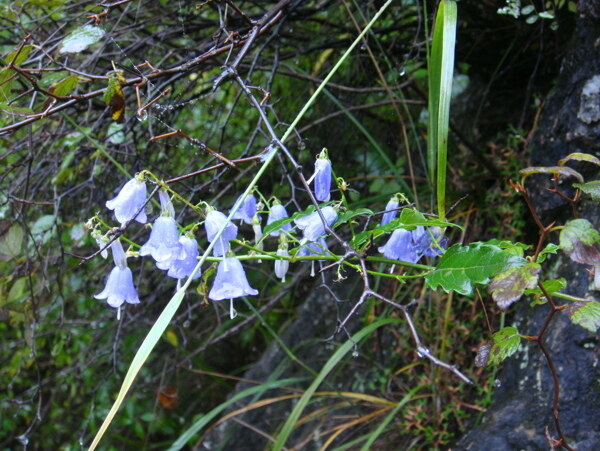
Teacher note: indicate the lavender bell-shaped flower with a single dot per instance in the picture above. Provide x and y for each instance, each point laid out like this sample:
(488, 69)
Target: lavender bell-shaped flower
(312, 226)
(391, 210)
(247, 209)
(129, 200)
(185, 264)
(277, 212)
(322, 177)
(119, 286)
(428, 242)
(230, 282)
(163, 243)
(400, 247)
(215, 221)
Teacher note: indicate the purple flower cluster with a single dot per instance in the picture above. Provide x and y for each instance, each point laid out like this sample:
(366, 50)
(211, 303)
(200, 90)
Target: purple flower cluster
(410, 246)
(178, 255)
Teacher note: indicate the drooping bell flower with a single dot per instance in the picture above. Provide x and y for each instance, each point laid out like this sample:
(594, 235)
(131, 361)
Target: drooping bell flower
(129, 200)
(322, 177)
(400, 247)
(312, 226)
(428, 242)
(163, 243)
(230, 282)
(282, 265)
(277, 212)
(215, 221)
(391, 210)
(247, 208)
(183, 266)
(119, 285)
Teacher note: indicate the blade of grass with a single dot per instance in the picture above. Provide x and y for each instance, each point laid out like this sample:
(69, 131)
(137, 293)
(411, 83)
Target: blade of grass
(377, 432)
(208, 417)
(337, 356)
(167, 314)
(441, 66)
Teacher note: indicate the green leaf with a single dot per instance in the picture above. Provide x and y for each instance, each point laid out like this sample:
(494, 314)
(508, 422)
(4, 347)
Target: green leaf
(81, 38)
(508, 286)
(586, 314)
(11, 243)
(66, 86)
(550, 248)
(551, 286)
(23, 54)
(578, 156)
(591, 188)
(462, 266)
(580, 241)
(15, 110)
(348, 215)
(517, 248)
(52, 78)
(506, 343)
(65, 171)
(553, 170)
(440, 70)
(7, 77)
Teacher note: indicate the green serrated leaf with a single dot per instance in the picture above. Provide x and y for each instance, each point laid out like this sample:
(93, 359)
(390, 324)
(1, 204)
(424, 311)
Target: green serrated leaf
(23, 54)
(586, 314)
(506, 343)
(517, 249)
(591, 188)
(578, 156)
(81, 38)
(581, 242)
(11, 243)
(508, 286)
(553, 170)
(463, 266)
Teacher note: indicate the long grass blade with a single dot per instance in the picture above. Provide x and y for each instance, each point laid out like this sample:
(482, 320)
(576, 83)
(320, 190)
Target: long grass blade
(377, 432)
(207, 418)
(290, 423)
(441, 66)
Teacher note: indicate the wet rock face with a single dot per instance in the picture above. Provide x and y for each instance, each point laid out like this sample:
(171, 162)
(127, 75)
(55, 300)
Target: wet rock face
(522, 406)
